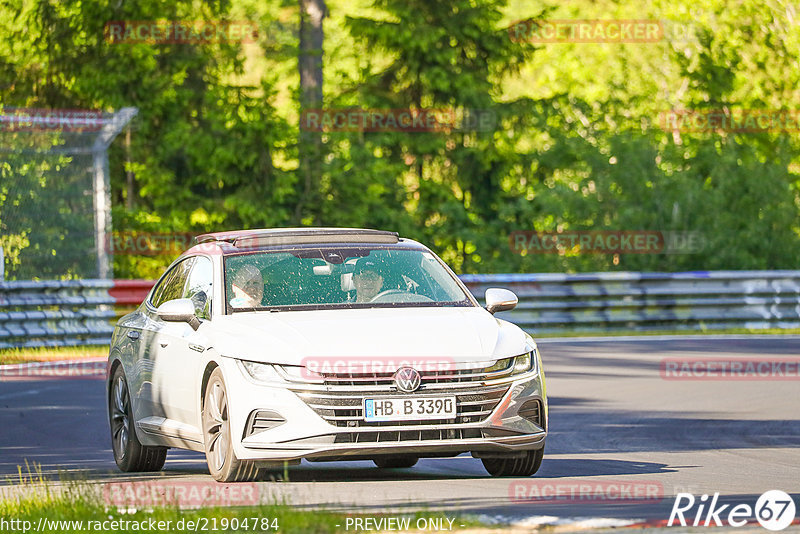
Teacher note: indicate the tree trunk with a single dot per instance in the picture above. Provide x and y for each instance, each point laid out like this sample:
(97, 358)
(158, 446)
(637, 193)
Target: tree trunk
(310, 143)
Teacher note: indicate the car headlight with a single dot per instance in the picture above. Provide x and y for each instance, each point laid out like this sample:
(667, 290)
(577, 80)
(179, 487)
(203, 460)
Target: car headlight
(295, 373)
(500, 365)
(260, 372)
(525, 363)
(522, 363)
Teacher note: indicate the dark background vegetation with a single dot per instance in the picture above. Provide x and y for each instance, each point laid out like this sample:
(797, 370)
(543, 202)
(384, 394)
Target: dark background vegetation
(576, 144)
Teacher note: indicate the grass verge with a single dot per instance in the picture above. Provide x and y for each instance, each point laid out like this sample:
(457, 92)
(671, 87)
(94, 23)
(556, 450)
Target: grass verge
(45, 354)
(80, 506)
(71, 510)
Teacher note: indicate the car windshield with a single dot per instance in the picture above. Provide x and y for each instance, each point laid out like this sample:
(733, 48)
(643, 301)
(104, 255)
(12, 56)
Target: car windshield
(336, 277)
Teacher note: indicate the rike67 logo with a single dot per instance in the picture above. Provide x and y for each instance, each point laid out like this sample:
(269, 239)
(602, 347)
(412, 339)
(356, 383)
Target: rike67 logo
(774, 510)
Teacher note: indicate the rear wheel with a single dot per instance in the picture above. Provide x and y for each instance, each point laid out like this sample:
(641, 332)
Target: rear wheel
(515, 466)
(129, 453)
(395, 462)
(222, 462)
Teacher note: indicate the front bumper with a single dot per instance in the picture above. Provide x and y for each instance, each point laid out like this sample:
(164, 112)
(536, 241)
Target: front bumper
(511, 418)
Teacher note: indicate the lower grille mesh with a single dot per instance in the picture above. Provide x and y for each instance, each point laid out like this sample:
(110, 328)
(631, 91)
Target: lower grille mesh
(408, 435)
(346, 409)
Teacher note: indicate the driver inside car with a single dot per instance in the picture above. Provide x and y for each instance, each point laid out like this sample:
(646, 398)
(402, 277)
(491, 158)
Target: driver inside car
(367, 280)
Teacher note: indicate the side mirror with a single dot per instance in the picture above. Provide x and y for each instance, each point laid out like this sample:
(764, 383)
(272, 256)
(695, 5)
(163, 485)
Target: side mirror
(179, 311)
(498, 299)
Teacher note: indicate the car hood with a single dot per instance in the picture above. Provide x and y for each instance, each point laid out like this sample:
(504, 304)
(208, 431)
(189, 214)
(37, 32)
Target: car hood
(452, 334)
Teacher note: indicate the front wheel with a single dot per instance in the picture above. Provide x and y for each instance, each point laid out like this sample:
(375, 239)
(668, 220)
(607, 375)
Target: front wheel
(131, 456)
(222, 462)
(519, 466)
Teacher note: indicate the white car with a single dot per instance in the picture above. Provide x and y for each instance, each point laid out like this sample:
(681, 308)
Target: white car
(260, 347)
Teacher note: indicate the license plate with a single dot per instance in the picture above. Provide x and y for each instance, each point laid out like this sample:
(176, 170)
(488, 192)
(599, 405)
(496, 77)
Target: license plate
(409, 408)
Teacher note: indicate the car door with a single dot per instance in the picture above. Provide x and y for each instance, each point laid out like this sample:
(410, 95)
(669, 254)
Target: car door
(155, 338)
(145, 336)
(180, 355)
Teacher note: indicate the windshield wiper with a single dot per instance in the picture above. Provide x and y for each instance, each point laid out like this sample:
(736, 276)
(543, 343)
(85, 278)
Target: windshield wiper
(256, 309)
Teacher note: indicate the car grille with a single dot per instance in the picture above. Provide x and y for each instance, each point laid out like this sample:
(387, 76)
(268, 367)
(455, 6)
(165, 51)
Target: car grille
(387, 436)
(340, 399)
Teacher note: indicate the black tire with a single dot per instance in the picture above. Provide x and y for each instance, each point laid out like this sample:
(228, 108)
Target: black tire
(222, 462)
(131, 456)
(523, 466)
(395, 462)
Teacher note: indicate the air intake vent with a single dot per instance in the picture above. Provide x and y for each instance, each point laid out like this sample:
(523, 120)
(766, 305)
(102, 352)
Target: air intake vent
(262, 420)
(532, 411)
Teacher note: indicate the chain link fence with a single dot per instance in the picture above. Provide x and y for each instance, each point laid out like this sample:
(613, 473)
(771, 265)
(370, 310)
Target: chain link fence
(55, 204)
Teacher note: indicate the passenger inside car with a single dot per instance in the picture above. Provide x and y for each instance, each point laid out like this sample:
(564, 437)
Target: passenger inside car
(248, 287)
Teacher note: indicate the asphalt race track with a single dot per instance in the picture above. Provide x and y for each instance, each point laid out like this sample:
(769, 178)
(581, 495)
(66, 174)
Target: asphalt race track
(614, 419)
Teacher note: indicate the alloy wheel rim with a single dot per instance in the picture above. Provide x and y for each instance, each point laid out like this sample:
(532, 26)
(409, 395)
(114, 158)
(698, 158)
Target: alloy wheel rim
(216, 424)
(120, 424)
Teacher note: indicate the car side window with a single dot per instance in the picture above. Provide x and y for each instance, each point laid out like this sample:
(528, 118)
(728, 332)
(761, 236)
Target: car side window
(156, 296)
(199, 286)
(172, 285)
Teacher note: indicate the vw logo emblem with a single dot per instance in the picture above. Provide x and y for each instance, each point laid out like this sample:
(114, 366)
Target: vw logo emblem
(407, 379)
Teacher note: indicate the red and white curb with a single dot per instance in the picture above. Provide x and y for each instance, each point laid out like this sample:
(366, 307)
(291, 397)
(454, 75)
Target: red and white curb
(570, 523)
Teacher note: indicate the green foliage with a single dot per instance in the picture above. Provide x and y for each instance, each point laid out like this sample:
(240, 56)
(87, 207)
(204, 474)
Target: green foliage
(203, 146)
(39, 196)
(575, 141)
(77, 506)
(580, 146)
(74, 505)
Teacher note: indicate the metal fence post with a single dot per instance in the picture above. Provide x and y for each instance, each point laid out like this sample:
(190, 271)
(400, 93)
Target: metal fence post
(102, 206)
(102, 189)
(48, 152)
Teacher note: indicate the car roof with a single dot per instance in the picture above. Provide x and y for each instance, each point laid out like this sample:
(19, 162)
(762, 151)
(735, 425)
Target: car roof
(303, 235)
(242, 240)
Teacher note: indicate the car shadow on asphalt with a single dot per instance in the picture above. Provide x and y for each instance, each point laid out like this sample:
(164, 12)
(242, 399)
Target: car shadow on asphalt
(588, 467)
(464, 467)
(185, 464)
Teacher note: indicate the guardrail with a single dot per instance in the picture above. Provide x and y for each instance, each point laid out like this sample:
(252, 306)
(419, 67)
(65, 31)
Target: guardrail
(130, 292)
(603, 302)
(57, 313)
